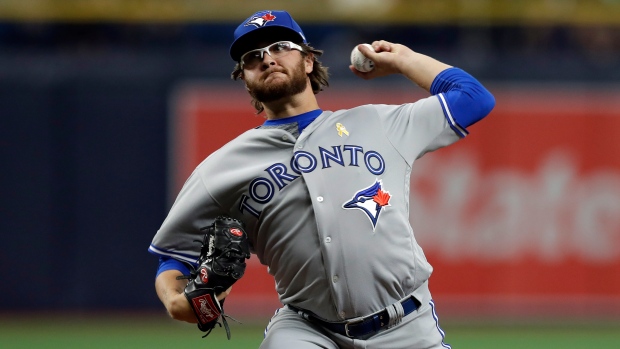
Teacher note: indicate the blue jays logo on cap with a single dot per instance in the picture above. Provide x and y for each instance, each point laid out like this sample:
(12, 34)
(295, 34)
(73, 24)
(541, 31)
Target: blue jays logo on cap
(271, 24)
(260, 21)
(371, 201)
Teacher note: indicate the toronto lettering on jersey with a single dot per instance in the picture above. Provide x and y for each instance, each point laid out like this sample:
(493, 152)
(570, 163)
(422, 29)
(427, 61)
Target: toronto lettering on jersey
(262, 189)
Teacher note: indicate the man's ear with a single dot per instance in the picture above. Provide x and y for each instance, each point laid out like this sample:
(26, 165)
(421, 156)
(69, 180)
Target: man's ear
(309, 62)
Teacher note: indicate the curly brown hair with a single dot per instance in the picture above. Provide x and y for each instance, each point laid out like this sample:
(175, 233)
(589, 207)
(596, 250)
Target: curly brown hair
(318, 77)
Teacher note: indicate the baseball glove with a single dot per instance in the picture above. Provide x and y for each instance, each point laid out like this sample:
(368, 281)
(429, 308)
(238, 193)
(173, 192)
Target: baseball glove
(223, 253)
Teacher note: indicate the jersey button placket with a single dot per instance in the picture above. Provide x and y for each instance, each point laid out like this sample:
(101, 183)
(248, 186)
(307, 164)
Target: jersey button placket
(319, 199)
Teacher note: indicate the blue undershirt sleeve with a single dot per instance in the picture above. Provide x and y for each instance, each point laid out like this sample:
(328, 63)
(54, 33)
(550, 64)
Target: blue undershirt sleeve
(169, 263)
(467, 100)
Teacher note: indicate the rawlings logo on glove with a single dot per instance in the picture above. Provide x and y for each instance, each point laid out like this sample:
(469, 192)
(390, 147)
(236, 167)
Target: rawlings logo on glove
(207, 310)
(225, 248)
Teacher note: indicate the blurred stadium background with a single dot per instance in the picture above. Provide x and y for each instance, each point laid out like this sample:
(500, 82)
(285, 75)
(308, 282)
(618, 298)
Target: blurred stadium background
(106, 105)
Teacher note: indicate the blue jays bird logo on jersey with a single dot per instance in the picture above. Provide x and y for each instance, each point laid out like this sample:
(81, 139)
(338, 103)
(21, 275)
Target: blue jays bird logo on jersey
(260, 21)
(371, 201)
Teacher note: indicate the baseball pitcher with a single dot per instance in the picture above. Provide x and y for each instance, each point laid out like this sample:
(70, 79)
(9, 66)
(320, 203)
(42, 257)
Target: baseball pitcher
(321, 197)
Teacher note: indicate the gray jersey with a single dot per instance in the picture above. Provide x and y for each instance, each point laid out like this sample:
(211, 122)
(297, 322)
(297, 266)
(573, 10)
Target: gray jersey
(327, 211)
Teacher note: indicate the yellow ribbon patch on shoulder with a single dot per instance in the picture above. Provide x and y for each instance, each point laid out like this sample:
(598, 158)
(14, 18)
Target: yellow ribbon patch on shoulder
(341, 129)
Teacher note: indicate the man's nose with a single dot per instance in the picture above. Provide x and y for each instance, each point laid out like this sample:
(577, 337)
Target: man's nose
(267, 59)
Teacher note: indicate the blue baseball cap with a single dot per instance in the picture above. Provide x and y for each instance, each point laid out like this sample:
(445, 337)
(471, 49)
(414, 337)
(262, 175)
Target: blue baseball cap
(266, 26)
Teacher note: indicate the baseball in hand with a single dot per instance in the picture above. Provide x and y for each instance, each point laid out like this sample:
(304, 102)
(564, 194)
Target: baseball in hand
(361, 62)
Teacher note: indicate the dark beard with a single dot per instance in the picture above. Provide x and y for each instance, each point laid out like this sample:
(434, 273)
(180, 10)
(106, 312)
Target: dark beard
(266, 93)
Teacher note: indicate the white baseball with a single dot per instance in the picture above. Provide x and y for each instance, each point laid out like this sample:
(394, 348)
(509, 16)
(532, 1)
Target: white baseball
(361, 62)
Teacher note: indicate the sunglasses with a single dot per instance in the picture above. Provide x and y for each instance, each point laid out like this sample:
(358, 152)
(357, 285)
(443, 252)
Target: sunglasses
(252, 59)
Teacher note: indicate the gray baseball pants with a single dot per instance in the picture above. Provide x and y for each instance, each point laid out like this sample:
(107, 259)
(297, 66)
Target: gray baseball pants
(418, 330)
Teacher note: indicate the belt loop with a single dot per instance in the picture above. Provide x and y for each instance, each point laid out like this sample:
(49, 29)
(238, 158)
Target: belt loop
(396, 313)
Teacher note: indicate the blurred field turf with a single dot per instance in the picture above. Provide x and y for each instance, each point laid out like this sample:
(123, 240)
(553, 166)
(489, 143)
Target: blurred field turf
(156, 331)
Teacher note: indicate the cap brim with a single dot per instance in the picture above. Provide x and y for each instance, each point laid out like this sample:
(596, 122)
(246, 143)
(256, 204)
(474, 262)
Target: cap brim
(253, 39)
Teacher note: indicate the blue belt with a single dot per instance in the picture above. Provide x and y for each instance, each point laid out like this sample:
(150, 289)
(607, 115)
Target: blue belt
(360, 327)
